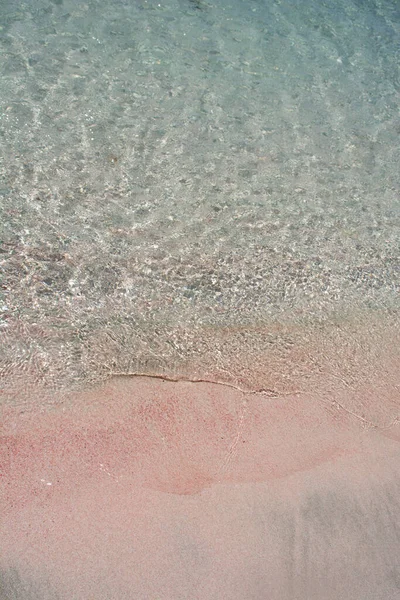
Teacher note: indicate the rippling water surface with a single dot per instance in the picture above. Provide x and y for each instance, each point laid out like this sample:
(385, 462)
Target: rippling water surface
(171, 169)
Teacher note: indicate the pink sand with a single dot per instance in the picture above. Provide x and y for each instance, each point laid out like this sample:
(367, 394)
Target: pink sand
(149, 489)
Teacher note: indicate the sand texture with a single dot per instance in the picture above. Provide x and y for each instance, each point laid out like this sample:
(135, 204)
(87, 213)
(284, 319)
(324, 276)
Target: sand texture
(151, 489)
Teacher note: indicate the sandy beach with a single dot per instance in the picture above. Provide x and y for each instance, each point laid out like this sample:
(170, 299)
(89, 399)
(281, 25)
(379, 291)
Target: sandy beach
(147, 488)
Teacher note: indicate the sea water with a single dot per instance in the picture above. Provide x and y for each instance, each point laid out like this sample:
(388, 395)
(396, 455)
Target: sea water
(175, 169)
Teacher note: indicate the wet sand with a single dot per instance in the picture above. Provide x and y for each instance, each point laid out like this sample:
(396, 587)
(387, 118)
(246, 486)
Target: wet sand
(151, 489)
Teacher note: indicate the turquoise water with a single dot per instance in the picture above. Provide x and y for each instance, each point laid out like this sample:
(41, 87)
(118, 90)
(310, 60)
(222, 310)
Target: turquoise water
(173, 166)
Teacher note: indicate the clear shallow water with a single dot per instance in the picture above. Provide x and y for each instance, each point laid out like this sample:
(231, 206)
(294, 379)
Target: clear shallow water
(170, 169)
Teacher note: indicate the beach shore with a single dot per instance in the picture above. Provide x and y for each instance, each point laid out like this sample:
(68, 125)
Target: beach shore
(149, 488)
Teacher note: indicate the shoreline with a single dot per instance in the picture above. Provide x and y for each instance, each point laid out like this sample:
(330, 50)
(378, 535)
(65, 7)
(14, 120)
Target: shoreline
(167, 486)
